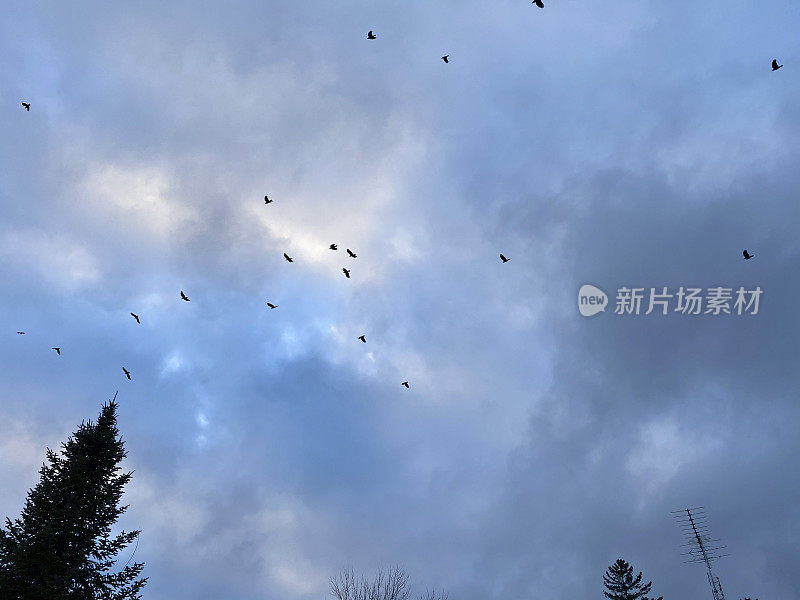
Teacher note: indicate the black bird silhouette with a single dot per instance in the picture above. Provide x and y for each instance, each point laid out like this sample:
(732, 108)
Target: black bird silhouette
(346, 272)
(267, 200)
(58, 350)
(775, 65)
(504, 259)
(287, 257)
(351, 253)
(747, 255)
(272, 305)
(184, 296)
(27, 106)
(538, 3)
(405, 383)
(127, 373)
(363, 338)
(446, 58)
(135, 316)
(333, 247)
(370, 35)
(21, 332)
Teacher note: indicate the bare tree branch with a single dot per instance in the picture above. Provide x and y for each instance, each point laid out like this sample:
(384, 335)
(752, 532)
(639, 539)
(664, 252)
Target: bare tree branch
(388, 584)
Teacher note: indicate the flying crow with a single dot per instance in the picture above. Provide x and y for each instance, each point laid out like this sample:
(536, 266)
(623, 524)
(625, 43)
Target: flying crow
(363, 338)
(127, 373)
(287, 257)
(775, 65)
(184, 296)
(346, 272)
(135, 316)
(747, 255)
(58, 350)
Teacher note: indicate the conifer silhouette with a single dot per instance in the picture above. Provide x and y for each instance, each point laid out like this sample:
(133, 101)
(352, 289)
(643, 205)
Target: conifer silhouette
(61, 546)
(620, 583)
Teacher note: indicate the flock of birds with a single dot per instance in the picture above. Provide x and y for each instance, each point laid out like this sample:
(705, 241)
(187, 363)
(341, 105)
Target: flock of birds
(267, 200)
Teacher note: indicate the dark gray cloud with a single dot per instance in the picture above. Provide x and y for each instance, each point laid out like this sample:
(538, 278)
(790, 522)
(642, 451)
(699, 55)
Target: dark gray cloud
(635, 144)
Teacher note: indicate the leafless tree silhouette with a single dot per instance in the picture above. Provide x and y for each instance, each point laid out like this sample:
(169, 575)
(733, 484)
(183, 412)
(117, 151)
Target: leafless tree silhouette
(390, 584)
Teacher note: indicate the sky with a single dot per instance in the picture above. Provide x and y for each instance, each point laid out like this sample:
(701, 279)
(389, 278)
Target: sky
(634, 143)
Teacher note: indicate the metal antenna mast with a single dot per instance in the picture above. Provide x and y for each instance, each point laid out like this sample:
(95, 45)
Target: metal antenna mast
(694, 524)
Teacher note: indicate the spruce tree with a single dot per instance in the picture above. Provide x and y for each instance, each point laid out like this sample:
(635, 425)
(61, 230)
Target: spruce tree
(61, 547)
(622, 585)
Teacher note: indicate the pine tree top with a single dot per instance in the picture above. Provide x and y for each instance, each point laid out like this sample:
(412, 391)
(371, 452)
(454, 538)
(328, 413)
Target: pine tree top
(621, 584)
(61, 545)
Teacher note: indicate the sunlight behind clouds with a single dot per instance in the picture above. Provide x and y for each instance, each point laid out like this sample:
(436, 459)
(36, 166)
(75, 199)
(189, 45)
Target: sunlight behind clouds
(139, 198)
(586, 142)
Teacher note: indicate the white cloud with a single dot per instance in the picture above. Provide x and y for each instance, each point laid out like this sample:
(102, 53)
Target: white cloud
(59, 259)
(136, 197)
(666, 445)
(173, 363)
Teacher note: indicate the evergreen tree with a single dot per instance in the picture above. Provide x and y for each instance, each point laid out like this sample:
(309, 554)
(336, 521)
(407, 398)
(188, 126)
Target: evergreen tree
(61, 547)
(622, 585)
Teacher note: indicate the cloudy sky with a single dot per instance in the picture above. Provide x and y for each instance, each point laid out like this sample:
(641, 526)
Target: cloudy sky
(629, 143)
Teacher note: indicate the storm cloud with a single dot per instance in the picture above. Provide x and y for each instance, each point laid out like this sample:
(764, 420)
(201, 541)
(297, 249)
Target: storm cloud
(634, 143)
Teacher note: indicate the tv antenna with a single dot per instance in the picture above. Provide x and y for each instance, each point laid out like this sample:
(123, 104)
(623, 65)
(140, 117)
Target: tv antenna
(701, 546)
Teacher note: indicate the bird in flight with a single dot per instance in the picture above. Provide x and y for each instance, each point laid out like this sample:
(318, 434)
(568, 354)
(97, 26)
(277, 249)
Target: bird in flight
(127, 373)
(272, 305)
(135, 316)
(21, 332)
(346, 272)
(184, 296)
(538, 3)
(333, 247)
(405, 383)
(747, 255)
(446, 58)
(58, 350)
(363, 338)
(371, 36)
(775, 65)
(287, 257)
(504, 259)
(27, 106)
(351, 253)
(267, 200)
